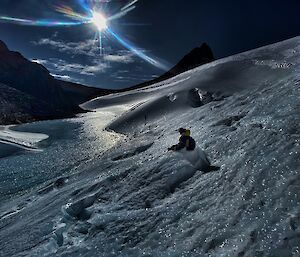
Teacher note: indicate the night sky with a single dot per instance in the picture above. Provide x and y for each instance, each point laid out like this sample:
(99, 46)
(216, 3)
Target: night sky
(163, 30)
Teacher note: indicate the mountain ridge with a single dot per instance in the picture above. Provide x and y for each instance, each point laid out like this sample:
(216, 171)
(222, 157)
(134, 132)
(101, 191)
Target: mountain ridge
(58, 99)
(61, 99)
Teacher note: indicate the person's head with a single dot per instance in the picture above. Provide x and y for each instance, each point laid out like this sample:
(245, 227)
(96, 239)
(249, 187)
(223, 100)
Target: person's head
(181, 131)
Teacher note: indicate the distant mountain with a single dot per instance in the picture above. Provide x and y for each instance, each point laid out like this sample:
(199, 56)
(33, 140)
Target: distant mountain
(197, 57)
(33, 79)
(35, 93)
(80, 94)
(19, 107)
(3, 47)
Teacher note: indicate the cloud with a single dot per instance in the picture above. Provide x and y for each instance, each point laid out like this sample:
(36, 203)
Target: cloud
(122, 57)
(87, 47)
(40, 61)
(117, 77)
(68, 78)
(123, 71)
(88, 70)
(62, 77)
(60, 66)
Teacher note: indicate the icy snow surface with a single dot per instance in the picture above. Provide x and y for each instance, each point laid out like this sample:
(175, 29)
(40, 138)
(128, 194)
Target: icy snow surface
(112, 195)
(23, 140)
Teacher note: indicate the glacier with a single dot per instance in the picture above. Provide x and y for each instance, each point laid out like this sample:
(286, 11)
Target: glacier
(104, 184)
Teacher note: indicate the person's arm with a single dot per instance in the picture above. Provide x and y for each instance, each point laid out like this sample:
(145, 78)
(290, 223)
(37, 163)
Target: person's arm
(181, 144)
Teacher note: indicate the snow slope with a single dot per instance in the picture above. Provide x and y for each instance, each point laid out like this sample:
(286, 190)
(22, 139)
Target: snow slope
(140, 200)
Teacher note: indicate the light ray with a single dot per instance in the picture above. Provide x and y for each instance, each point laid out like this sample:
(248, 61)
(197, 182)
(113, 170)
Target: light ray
(134, 50)
(85, 5)
(121, 14)
(43, 23)
(69, 12)
(100, 42)
(128, 5)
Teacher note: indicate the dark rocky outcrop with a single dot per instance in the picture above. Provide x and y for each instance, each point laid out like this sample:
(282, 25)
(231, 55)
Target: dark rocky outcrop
(3, 47)
(198, 56)
(18, 107)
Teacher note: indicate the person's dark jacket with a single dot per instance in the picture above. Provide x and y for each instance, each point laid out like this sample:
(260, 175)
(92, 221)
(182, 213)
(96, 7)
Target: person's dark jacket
(185, 141)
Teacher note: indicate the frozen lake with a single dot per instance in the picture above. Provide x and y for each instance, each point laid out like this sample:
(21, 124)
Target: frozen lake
(67, 144)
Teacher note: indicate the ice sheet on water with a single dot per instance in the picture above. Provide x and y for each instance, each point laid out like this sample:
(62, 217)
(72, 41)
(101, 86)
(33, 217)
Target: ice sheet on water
(26, 138)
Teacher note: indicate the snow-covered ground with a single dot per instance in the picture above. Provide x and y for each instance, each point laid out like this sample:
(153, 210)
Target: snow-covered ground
(23, 140)
(134, 198)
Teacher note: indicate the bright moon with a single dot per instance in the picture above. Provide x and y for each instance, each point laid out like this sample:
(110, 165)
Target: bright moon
(99, 21)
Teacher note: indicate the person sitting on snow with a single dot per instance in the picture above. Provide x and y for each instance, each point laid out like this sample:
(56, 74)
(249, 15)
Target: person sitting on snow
(185, 141)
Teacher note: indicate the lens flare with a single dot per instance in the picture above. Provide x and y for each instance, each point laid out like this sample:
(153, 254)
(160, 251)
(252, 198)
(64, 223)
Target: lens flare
(137, 52)
(99, 21)
(42, 23)
(91, 13)
(70, 13)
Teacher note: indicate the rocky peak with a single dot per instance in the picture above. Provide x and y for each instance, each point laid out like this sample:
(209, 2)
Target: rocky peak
(3, 47)
(198, 56)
